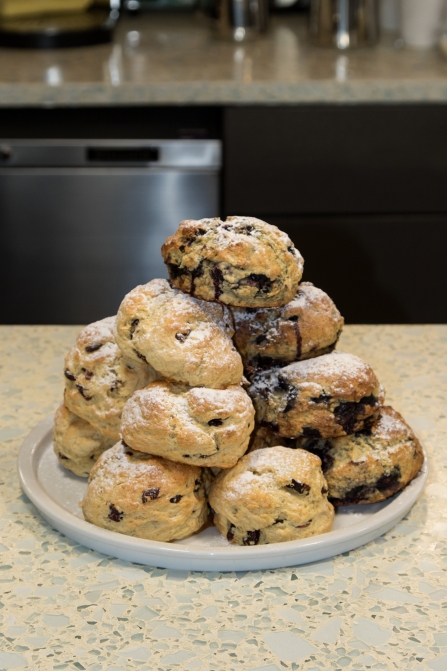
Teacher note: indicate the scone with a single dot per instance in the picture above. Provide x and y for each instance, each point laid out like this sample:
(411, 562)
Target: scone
(370, 465)
(308, 326)
(241, 261)
(76, 443)
(184, 339)
(99, 378)
(145, 496)
(271, 496)
(191, 425)
(331, 395)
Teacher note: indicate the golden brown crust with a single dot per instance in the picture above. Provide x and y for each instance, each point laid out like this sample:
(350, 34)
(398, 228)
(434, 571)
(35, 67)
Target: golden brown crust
(145, 496)
(185, 339)
(271, 496)
(332, 395)
(76, 443)
(372, 465)
(198, 426)
(99, 378)
(308, 326)
(242, 261)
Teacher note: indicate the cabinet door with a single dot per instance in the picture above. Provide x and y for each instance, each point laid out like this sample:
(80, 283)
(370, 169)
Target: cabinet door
(335, 159)
(361, 190)
(377, 269)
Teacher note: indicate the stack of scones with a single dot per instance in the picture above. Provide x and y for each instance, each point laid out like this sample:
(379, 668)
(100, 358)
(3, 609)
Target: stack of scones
(218, 397)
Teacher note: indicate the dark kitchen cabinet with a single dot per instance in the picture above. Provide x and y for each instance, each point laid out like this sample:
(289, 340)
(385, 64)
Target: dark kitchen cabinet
(361, 190)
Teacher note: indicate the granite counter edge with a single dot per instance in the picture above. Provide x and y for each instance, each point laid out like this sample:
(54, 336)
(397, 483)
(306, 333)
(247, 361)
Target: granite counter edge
(224, 93)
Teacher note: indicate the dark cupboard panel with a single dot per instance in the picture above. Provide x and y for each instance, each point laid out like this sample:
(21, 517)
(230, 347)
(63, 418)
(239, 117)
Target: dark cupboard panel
(335, 159)
(361, 190)
(121, 123)
(388, 269)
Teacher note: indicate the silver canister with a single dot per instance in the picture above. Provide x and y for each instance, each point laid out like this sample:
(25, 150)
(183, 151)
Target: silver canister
(344, 24)
(240, 20)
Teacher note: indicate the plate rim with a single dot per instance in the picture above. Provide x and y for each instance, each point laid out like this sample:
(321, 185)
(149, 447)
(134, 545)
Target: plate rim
(383, 520)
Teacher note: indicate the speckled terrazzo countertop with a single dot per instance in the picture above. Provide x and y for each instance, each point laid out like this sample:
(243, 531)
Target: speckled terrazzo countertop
(382, 606)
(173, 59)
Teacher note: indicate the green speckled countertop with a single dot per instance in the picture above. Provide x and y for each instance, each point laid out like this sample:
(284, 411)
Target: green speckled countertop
(174, 59)
(382, 606)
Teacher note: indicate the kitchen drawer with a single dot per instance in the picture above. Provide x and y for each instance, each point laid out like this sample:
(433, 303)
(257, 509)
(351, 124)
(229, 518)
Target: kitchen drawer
(335, 159)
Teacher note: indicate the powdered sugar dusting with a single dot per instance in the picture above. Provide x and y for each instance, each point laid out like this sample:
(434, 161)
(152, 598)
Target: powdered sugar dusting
(390, 424)
(101, 331)
(272, 465)
(115, 464)
(225, 234)
(336, 364)
(242, 485)
(329, 369)
(131, 415)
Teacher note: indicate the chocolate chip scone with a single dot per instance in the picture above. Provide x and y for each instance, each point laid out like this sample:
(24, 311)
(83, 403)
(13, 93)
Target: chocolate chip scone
(309, 326)
(325, 397)
(183, 338)
(271, 496)
(370, 465)
(99, 378)
(241, 261)
(145, 496)
(76, 443)
(191, 425)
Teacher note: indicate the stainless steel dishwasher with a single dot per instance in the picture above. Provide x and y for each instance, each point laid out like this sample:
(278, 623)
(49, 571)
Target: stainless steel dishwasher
(82, 222)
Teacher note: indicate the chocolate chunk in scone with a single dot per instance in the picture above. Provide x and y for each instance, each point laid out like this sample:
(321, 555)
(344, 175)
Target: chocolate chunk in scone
(270, 496)
(371, 465)
(242, 261)
(331, 395)
(145, 496)
(191, 425)
(308, 326)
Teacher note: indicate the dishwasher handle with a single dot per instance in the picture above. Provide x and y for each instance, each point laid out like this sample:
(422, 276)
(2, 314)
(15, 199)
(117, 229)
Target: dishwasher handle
(123, 155)
(181, 154)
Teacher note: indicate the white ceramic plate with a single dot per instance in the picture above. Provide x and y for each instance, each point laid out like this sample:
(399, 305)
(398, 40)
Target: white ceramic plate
(56, 493)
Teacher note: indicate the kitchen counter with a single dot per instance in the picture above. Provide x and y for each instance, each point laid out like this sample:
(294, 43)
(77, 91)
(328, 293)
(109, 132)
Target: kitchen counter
(380, 606)
(173, 59)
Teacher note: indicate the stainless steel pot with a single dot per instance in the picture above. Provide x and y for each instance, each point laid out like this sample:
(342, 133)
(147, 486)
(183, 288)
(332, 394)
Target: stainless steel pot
(344, 24)
(240, 20)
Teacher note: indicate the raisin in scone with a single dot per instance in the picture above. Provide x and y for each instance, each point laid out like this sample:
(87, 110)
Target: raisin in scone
(145, 496)
(242, 261)
(76, 443)
(271, 496)
(325, 397)
(370, 465)
(183, 338)
(99, 378)
(191, 425)
(308, 326)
